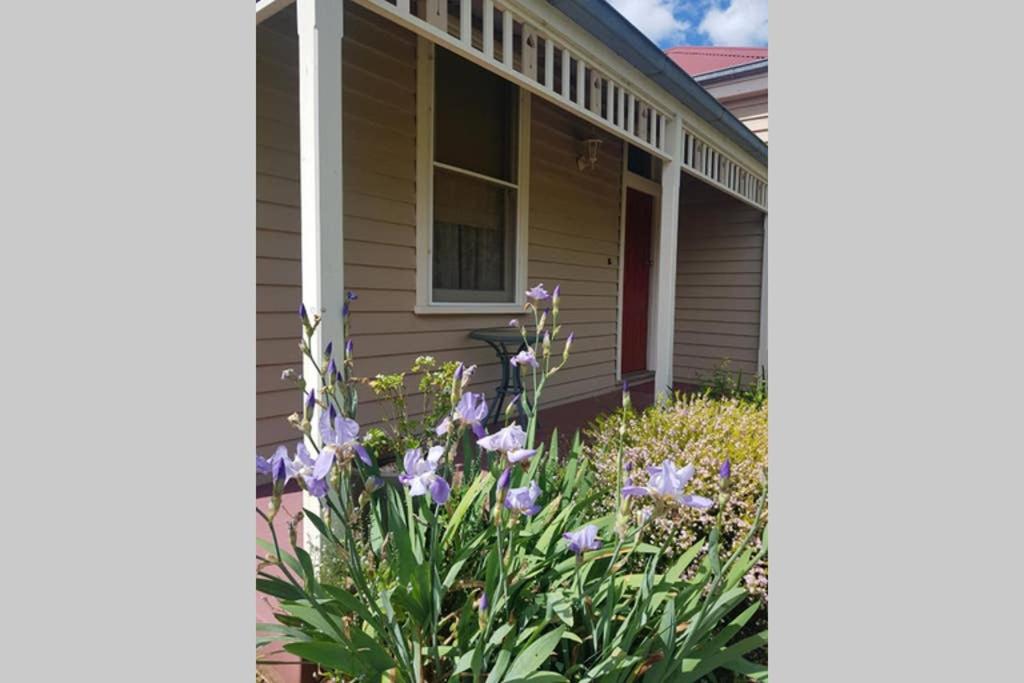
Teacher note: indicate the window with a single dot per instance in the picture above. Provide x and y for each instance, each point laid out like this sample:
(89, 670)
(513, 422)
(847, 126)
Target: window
(643, 164)
(472, 204)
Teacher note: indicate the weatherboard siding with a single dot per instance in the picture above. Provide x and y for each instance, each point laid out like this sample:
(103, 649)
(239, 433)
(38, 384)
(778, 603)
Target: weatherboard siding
(718, 284)
(752, 110)
(278, 266)
(747, 100)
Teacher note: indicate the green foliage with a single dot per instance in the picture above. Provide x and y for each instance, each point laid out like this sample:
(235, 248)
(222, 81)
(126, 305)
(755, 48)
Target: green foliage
(724, 384)
(402, 431)
(406, 601)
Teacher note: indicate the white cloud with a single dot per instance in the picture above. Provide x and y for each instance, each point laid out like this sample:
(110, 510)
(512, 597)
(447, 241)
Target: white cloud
(742, 23)
(656, 19)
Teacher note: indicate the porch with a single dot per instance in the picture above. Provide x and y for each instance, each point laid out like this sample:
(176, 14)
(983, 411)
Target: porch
(700, 301)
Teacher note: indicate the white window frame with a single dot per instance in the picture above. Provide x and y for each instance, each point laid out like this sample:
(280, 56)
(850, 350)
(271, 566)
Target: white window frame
(425, 165)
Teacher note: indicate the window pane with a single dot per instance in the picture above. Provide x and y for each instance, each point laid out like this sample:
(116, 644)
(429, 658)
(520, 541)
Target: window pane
(640, 162)
(474, 117)
(474, 239)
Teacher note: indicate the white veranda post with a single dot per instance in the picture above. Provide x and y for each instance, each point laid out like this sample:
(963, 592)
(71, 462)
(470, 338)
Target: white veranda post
(668, 235)
(320, 28)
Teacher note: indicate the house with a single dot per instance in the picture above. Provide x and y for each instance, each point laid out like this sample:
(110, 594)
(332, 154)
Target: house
(438, 157)
(736, 76)
(433, 167)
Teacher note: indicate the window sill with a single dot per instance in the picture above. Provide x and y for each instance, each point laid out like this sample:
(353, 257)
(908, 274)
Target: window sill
(468, 309)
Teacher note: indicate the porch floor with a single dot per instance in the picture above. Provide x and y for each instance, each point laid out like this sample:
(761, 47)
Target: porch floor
(568, 418)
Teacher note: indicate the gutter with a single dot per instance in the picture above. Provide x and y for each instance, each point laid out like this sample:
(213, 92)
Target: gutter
(747, 69)
(603, 22)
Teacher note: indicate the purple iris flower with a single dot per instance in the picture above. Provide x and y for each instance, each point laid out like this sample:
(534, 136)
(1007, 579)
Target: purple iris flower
(521, 454)
(666, 482)
(525, 357)
(302, 461)
(317, 487)
(504, 479)
(725, 470)
(332, 369)
(509, 440)
(538, 293)
(558, 290)
(311, 399)
(279, 466)
(339, 435)
(349, 346)
(484, 603)
(314, 477)
(303, 466)
(582, 539)
(472, 411)
(523, 499)
(421, 474)
(302, 313)
(351, 296)
(328, 349)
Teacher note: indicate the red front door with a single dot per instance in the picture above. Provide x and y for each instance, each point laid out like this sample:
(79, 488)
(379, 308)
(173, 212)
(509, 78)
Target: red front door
(636, 279)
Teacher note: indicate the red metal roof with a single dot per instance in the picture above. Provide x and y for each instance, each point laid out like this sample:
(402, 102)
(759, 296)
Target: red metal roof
(700, 60)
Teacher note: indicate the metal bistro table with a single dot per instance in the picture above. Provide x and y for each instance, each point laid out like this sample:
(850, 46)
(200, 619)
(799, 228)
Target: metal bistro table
(506, 342)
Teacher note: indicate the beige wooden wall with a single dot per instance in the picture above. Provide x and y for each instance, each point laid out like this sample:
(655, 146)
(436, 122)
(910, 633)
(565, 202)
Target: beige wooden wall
(718, 283)
(573, 227)
(277, 226)
(747, 99)
(752, 110)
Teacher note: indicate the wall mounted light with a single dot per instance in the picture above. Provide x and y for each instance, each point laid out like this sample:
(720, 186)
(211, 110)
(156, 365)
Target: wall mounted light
(588, 158)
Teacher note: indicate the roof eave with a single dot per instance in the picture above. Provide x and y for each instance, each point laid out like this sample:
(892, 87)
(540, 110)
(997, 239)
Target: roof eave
(606, 24)
(741, 70)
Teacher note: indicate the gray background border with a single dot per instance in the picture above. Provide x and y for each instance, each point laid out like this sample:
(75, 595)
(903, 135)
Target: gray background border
(128, 288)
(128, 280)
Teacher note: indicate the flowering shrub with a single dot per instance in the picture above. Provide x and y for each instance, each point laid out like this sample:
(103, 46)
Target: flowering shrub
(498, 571)
(705, 432)
(401, 431)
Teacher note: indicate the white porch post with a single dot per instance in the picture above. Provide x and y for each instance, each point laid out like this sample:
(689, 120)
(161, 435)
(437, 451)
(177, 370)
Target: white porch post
(668, 236)
(320, 28)
(762, 341)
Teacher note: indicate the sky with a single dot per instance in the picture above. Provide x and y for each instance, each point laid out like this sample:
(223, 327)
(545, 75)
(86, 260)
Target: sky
(738, 23)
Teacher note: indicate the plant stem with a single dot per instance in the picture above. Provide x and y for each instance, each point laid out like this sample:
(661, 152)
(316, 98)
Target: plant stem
(435, 607)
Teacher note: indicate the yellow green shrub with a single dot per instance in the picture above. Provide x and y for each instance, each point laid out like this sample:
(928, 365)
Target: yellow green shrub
(702, 431)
